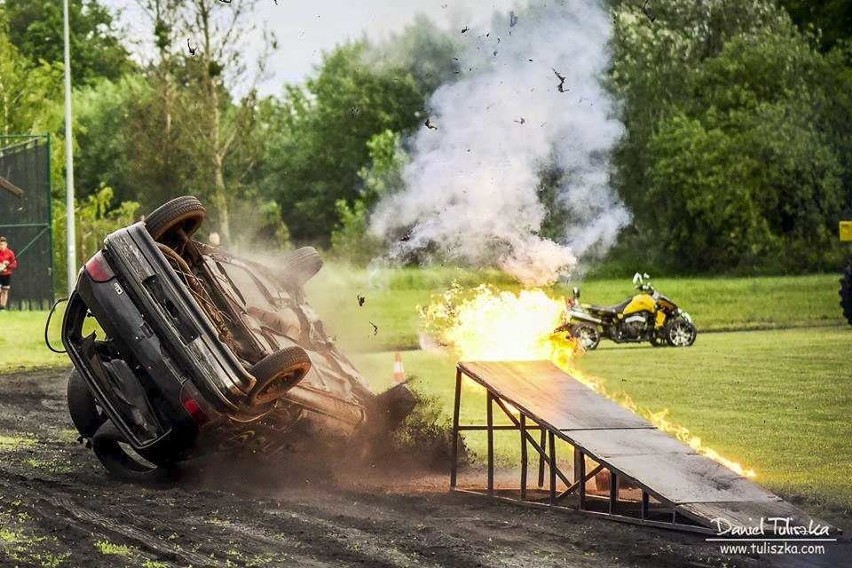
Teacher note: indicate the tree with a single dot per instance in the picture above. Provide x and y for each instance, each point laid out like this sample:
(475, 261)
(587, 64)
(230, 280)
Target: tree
(320, 145)
(36, 29)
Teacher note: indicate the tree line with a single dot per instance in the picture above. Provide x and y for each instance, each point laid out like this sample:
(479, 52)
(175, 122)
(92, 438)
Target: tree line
(735, 159)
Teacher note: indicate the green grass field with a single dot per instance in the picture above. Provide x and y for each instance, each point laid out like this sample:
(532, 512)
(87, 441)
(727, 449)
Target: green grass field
(777, 400)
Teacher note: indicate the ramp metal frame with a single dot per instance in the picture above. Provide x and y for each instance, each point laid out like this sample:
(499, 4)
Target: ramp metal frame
(638, 503)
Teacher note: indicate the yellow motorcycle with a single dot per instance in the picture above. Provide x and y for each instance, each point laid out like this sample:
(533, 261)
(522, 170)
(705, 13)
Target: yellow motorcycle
(647, 316)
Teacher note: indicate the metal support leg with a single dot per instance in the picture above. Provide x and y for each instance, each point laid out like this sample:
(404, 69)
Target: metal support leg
(552, 456)
(582, 489)
(613, 491)
(523, 457)
(543, 444)
(490, 422)
(645, 506)
(456, 406)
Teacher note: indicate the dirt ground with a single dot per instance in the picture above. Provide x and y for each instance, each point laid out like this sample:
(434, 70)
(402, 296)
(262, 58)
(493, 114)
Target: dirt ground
(58, 507)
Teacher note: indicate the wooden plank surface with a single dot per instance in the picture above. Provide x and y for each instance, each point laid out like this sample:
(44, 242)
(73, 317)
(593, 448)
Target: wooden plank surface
(628, 442)
(551, 396)
(690, 478)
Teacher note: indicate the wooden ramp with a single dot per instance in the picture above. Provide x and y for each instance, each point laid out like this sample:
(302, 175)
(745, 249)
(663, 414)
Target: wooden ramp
(621, 466)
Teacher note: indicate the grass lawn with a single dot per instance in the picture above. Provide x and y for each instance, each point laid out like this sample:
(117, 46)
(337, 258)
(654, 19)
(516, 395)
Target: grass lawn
(22, 341)
(777, 401)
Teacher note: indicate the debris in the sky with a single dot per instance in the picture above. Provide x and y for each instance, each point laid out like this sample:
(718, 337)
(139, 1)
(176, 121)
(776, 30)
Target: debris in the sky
(428, 124)
(649, 12)
(465, 30)
(521, 121)
(361, 300)
(191, 49)
(513, 19)
(375, 328)
(561, 86)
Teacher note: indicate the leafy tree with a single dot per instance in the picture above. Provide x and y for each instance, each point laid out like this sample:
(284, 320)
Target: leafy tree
(314, 157)
(36, 29)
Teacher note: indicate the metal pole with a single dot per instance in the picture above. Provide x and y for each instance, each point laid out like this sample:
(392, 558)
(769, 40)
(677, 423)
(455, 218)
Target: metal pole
(70, 229)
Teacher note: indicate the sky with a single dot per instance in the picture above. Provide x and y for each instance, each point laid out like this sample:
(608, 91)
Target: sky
(307, 29)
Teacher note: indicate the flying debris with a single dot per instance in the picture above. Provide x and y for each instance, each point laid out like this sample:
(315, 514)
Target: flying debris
(361, 300)
(513, 19)
(561, 86)
(649, 12)
(466, 28)
(375, 328)
(521, 121)
(191, 49)
(428, 124)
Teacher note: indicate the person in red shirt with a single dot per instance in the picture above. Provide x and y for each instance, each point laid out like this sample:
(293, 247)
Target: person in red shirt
(8, 265)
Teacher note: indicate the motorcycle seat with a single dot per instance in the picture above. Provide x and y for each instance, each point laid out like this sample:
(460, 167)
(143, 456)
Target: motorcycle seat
(609, 310)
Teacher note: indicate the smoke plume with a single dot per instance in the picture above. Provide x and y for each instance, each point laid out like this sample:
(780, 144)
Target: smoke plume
(471, 187)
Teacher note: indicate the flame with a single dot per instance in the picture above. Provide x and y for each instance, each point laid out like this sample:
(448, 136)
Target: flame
(488, 324)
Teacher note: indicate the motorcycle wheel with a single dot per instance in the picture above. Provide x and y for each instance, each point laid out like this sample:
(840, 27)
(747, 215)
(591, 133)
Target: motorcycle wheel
(586, 335)
(680, 332)
(846, 292)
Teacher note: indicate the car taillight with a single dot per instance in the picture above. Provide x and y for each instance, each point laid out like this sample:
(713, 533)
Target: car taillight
(98, 269)
(193, 408)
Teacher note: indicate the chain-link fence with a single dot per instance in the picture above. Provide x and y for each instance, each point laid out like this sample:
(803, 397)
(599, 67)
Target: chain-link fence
(25, 217)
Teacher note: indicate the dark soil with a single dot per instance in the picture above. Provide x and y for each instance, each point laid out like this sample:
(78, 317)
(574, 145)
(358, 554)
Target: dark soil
(58, 507)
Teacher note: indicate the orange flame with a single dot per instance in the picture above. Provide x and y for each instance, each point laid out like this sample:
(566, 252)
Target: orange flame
(487, 324)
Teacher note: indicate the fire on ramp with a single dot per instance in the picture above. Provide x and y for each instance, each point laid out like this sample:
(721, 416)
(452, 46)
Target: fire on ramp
(624, 468)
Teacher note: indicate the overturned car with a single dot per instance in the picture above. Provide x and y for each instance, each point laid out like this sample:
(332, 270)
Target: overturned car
(193, 351)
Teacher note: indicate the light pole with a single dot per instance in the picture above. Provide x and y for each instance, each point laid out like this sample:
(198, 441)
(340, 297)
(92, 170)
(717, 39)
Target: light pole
(69, 162)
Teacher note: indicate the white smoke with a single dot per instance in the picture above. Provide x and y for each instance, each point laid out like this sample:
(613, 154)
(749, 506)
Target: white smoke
(471, 185)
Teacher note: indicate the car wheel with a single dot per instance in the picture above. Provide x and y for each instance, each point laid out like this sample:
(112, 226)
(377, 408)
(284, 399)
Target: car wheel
(85, 413)
(277, 373)
(586, 335)
(300, 265)
(846, 292)
(165, 223)
(116, 455)
(680, 332)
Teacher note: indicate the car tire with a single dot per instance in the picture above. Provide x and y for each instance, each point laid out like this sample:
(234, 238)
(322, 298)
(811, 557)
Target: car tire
(114, 453)
(277, 373)
(184, 213)
(586, 335)
(846, 292)
(85, 415)
(300, 266)
(680, 332)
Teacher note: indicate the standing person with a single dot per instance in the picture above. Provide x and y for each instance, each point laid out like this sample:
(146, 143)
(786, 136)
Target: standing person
(8, 265)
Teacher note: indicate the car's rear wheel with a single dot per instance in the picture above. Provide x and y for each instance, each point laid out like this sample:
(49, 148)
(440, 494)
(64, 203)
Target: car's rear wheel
(586, 335)
(85, 413)
(171, 221)
(277, 373)
(300, 265)
(116, 455)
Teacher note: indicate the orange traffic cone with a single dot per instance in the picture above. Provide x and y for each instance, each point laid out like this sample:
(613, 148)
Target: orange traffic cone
(398, 369)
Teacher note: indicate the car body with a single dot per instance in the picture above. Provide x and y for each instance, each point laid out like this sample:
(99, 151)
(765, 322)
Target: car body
(196, 346)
